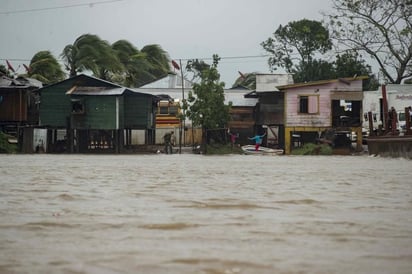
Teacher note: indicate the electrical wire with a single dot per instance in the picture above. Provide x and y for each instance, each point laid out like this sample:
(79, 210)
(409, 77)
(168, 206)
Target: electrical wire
(226, 57)
(183, 59)
(90, 4)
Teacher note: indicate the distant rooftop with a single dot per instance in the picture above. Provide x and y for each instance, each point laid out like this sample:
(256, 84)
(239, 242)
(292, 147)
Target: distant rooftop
(172, 80)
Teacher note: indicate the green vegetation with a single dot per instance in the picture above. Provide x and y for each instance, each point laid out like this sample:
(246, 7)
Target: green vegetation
(222, 149)
(296, 47)
(205, 105)
(120, 62)
(45, 68)
(313, 149)
(206, 102)
(5, 146)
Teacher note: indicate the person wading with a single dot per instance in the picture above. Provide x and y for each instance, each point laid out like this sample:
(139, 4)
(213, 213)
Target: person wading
(168, 140)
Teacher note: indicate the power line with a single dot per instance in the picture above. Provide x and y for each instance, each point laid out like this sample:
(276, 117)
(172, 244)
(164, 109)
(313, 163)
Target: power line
(15, 59)
(227, 57)
(183, 59)
(90, 4)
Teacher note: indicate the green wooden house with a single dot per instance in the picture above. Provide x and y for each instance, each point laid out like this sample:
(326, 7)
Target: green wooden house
(94, 115)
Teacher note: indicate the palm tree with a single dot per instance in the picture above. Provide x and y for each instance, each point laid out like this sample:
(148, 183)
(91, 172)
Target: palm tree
(159, 59)
(45, 68)
(134, 63)
(120, 62)
(89, 52)
(140, 67)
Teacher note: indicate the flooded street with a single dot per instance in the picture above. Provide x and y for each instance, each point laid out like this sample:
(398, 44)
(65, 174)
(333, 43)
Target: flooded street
(205, 214)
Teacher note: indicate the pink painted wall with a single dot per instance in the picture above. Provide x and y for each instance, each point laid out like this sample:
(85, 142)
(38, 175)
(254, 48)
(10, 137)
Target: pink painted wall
(323, 91)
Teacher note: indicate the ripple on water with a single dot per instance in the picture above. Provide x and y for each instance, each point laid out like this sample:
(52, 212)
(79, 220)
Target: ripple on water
(169, 226)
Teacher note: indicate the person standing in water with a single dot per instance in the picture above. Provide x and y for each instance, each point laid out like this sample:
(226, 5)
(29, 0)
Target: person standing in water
(233, 137)
(168, 139)
(258, 140)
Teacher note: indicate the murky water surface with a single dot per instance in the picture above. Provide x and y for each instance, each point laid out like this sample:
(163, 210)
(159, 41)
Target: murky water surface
(205, 214)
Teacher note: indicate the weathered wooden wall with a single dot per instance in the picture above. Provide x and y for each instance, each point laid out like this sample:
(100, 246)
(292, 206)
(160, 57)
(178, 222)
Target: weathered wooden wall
(390, 146)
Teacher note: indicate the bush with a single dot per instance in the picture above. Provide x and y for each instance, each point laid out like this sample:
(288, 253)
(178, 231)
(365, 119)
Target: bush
(221, 149)
(313, 149)
(5, 146)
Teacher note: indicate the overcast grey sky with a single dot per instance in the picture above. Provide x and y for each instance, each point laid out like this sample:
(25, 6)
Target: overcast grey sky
(184, 28)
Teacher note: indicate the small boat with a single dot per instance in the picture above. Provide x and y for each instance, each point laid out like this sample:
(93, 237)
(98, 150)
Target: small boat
(250, 149)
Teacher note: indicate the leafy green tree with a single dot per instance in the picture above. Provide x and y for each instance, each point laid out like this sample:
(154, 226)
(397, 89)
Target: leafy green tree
(89, 52)
(296, 46)
(317, 69)
(195, 67)
(297, 43)
(206, 104)
(381, 29)
(350, 64)
(45, 68)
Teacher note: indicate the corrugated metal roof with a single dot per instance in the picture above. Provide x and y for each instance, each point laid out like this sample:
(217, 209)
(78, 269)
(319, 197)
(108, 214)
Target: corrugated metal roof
(96, 91)
(21, 82)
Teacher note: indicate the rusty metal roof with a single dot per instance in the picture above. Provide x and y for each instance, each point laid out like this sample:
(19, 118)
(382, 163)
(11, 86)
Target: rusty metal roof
(20, 82)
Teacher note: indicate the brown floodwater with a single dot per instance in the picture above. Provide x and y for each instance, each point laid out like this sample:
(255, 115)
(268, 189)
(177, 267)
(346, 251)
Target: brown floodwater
(205, 214)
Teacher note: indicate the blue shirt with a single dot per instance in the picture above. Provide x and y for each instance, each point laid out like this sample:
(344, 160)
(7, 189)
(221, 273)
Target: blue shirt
(258, 139)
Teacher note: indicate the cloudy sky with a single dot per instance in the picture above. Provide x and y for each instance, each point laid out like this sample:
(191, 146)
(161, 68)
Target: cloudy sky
(186, 29)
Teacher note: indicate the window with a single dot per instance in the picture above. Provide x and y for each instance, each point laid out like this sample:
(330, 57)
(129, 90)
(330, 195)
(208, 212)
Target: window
(163, 110)
(173, 110)
(303, 104)
(308, 104)
(77, 106)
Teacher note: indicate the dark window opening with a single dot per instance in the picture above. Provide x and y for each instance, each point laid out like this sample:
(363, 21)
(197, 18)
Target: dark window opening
(303, 104)
(77, 107)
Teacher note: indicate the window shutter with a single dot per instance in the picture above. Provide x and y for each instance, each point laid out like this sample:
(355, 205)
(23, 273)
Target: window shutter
(313, 104)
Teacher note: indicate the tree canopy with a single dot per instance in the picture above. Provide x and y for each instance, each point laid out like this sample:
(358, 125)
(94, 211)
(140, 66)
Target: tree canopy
(206, 103)
(381, 29)
(89, 52)
(121, 62)
(45, 68)
(296, 43)
(303, 49)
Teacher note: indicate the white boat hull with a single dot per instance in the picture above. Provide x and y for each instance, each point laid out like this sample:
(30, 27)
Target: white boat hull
(250, 149)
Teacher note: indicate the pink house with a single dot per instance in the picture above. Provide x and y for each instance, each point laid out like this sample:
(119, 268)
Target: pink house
(313, 109)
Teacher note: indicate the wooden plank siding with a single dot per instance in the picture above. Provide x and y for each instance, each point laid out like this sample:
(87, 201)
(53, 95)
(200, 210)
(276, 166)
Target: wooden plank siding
(96, 113)
(138, 111)
(13, 105)
(322, 118)
(322, 93)
(99, 113)
(55, 105)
